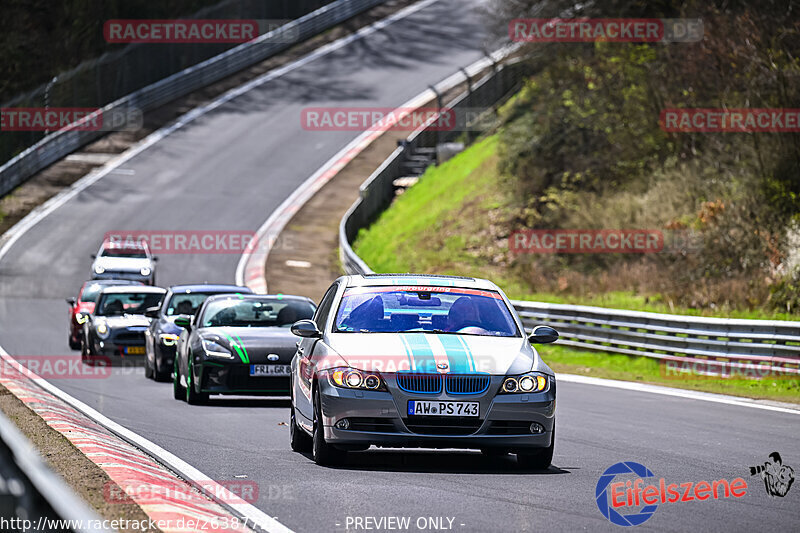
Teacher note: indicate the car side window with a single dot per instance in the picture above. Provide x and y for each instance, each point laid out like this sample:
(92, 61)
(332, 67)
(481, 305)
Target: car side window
(324, 309)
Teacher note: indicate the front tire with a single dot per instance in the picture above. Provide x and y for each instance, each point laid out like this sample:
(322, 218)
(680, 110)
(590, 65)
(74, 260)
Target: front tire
(148, 369)
(162, 376)
(178, 391)
(192, 396)
(538, 459)
(324, 453)
(299, 439)
(87, 357)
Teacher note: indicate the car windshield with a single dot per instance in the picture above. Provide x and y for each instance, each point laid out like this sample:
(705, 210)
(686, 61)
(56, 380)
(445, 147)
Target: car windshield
(424, 309)
(251, 312)
(127, 303)
(186, 303)
(91, 291)
(136, 253)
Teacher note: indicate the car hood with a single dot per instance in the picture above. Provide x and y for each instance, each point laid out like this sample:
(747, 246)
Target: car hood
(167, 325)
(430, 352)
(254, 344)
(125, 264)
(84, 307)
(124, 321)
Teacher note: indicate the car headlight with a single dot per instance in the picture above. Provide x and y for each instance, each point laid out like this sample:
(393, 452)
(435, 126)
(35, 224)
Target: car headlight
(102, 330)
(530, 382)
(168, 339)
(145, 271)
(80, 318)
(216, 350)
(351, 378)
(98, 269)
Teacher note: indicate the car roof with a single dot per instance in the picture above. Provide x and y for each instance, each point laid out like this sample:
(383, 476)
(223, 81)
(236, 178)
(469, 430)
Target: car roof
(208, 287)
(134, 288)
(260, 296)
(124, 245)
(432, 280)
(112, 282)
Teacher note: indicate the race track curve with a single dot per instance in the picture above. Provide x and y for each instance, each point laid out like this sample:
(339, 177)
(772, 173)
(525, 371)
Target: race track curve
(228, 170)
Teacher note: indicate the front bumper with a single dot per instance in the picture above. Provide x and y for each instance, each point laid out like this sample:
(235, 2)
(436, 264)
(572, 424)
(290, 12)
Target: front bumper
(120, 342)
(235, 378)
(380, 418)
(134, 276)
(164, 355)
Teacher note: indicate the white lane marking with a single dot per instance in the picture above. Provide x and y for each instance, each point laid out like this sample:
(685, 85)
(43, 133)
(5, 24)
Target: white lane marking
(297, 264)
(679, 393)
(38, 214)
(254, 515)
(266, 235)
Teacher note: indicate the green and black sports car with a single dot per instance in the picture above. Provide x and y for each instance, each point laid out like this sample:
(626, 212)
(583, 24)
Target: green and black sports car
(238, 344)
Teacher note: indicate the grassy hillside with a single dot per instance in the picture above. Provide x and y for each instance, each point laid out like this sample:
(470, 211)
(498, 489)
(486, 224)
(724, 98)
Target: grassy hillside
(456, 220)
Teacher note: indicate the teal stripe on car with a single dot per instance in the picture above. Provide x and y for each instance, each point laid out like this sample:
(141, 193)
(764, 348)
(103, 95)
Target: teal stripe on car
(421, 351)
(458, 355)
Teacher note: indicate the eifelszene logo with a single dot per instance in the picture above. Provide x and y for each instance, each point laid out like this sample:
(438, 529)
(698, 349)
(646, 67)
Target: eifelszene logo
(630, 493)
(778, 477)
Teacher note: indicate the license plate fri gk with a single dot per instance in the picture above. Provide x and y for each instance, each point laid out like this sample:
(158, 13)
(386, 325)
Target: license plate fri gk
(431, 408)
(270, 370)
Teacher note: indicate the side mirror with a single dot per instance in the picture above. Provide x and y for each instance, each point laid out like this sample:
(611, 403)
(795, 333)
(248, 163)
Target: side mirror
(152, 312)
(71, 302)
(183, 321)
(543, 335)
(306, 328)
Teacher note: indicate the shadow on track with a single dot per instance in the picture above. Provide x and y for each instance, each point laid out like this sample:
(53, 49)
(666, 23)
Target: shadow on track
(438, 462)
(219, 401)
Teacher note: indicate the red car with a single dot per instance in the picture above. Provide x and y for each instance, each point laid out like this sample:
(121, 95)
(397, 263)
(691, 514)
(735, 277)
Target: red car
(84, 303)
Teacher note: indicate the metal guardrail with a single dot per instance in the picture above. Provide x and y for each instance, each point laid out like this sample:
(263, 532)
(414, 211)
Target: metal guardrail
(730, 345)
(32, 498)
(751, 346)
(59, 144)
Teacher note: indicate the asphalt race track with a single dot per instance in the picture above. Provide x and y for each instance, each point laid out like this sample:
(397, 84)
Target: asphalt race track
(227, 171)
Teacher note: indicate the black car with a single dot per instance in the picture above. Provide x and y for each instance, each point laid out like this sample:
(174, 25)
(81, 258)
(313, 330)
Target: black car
(161, 338)
(117, 324)
(238, 344)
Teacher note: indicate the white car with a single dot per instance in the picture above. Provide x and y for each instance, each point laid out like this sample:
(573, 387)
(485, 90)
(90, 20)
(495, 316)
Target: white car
(124, 260)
